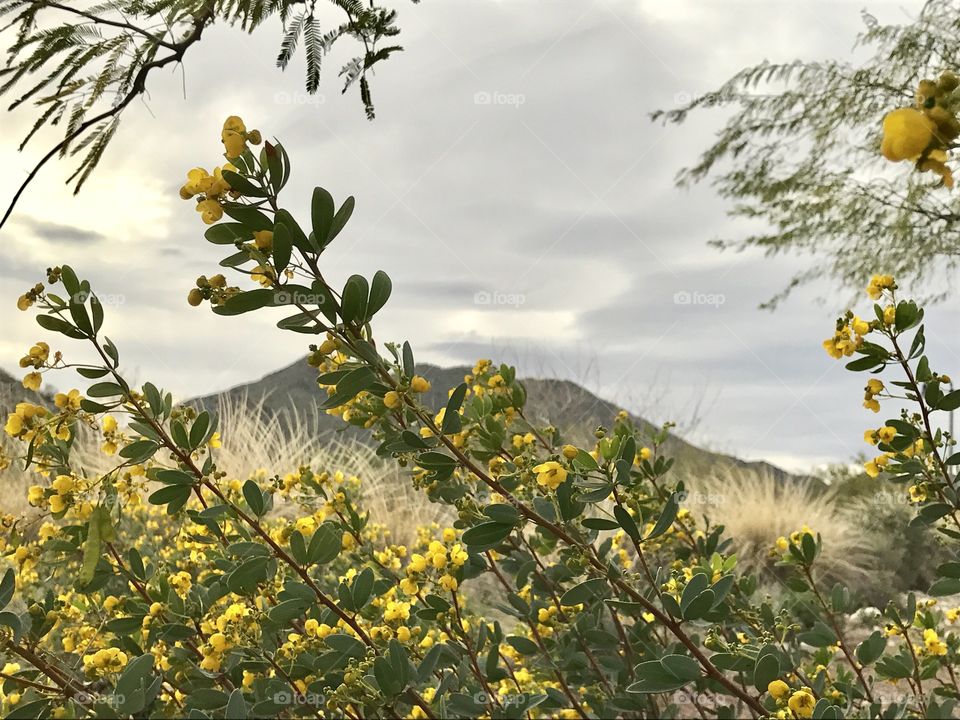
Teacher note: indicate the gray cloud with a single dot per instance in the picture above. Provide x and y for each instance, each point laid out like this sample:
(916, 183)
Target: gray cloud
(512, 154)
(59, 233)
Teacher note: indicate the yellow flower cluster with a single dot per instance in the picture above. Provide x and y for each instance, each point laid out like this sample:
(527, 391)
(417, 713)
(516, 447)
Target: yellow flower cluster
(102, 662)
(235, 137)
(924, 133)
(25, 420)
(932, 643)
(870, 392)
(879, 284)
(210, 189)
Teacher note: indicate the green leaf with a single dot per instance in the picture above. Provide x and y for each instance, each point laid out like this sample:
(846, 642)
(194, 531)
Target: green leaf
(345, 644)
(7, 585)
(298, 547)
(325, 545)
(246, 302)
(586, 592)
(227, 234)
(283, 612)
(242, 185)
(340, 219)
(666, 518)
(522, 645)
(700, 605)
(282, 247)
(945, 586)
(681, 667)
(174, 477)
(173, 496)
(653, 677)
(104, 389)
(99, 530)
(950, 401)
(870, 650)
(380, 290)
(766, 671)
(486, 535)
(451, 415)
(236, 706)
(254, 497)
(198, 431)
(353, 307)
(626, 522)
(321, 211)
(352, 384)
(297, 236)
(139, 451)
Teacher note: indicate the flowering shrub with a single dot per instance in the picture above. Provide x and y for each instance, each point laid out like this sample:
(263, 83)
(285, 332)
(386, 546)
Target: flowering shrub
(164, 587)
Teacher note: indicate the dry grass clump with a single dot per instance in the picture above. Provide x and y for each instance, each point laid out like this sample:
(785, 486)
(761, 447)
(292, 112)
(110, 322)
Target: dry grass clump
(258, 442)
(255, 440)
(757, 507)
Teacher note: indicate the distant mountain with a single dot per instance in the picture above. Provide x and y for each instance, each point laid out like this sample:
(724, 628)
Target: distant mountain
(574, 410)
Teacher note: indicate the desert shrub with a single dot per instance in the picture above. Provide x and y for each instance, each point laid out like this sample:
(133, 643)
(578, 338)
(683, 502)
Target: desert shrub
(166, 585)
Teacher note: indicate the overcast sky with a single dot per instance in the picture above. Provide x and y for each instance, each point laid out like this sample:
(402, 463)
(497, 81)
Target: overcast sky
(515, 190)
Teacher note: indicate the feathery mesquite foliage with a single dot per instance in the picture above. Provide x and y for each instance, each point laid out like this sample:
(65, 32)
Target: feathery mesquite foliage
(799, 154)
(81, 64)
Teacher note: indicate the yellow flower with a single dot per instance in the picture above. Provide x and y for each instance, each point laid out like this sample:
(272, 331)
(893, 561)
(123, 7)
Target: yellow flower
(193, 185)
(14, 425)
(235, 124)
(31, 381)
(392, 399)
(879, 283)
(907, 132)
(57, 504)
(210, 211)
(860, 327)
(214, 442)
(70, 400)
(550, 474)
(35, 496)
(887, 433)
(778, 689)
(933, 643)
(263, 274)
(419, 384)
(63, 484)
(109, 423)
(234, 143)
(448, 582)
(889, 314)
(802, 703)
(263, 239)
